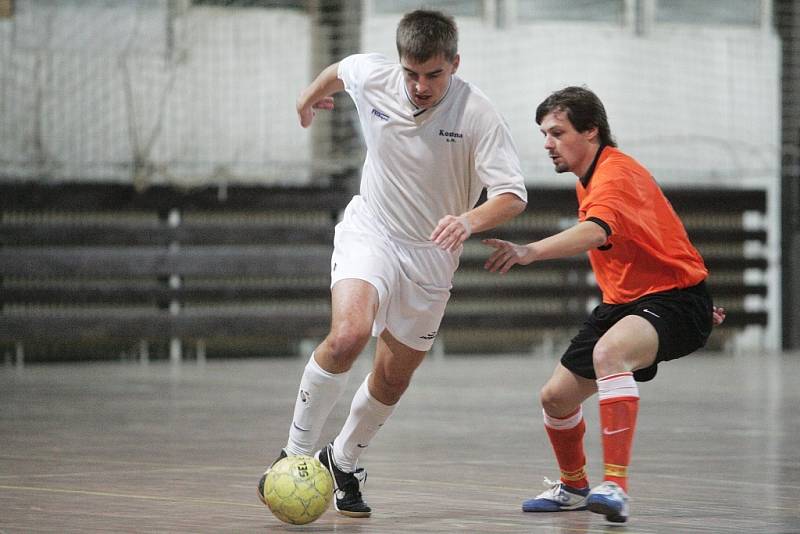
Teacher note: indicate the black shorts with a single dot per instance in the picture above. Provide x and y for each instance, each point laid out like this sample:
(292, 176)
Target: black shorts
(682, 318)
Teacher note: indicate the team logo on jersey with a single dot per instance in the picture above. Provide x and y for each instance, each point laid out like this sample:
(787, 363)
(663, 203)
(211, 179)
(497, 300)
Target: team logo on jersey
(450, 137)
(380, 114)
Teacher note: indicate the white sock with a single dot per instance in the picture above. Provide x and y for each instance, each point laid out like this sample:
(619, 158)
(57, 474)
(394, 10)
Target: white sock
(367, 415)
(319, 391)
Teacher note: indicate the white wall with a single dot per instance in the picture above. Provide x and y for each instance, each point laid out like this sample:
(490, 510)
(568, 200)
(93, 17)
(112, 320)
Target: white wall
(88, 86)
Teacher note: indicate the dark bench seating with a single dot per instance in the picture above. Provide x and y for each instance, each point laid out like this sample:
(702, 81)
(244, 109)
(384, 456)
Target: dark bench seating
(89, 263)
(244, 270)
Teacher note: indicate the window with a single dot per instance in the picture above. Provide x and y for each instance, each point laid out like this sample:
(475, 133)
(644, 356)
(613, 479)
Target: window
(573, 10)
(292, 4)
(457, 8)
(709, 12)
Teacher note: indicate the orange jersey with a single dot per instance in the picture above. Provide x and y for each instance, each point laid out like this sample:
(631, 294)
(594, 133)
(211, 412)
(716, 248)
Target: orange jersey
(647, 250)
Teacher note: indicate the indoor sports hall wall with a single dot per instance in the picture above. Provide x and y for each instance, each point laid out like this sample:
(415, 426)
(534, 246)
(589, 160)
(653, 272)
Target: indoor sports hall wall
(118, 90)
(194, 93)
(169, 90)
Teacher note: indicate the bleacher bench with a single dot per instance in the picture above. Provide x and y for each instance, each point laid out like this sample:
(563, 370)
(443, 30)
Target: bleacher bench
(92, 263)
(88, 268)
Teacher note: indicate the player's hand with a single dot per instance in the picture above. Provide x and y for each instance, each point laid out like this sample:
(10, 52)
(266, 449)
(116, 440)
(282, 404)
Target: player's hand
(306, 113)
(506, 254)
(718, 315)
(451, 232)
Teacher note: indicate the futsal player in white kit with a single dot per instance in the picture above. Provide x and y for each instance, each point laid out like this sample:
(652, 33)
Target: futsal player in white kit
(434, 142)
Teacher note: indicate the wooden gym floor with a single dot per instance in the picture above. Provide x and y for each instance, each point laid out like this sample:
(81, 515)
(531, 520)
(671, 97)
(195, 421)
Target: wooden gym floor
(161, 447)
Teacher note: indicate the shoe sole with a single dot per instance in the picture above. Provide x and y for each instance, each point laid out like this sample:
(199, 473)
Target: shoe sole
(559, 509)
(611, 514)
(352, 514)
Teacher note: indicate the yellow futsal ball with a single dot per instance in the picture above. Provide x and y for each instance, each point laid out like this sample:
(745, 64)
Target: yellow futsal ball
(298, 489)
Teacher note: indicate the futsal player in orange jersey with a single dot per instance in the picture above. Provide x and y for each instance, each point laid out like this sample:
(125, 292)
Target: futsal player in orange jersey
(655, 303)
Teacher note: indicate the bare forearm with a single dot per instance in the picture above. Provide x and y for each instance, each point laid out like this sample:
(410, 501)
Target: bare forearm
(325, 84)
(495, 212)
(580, 238)
(452, 230)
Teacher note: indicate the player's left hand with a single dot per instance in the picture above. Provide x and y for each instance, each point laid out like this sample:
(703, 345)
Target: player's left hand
(451, 232)
(718, 315)
(307, 113)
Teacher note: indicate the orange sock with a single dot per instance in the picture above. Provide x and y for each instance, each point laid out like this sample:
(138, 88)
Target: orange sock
(619, 404)
(566, 436)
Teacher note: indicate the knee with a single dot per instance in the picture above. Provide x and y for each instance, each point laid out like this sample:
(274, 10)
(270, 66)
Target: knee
(346, 343)
(607, 359)
(552, 401)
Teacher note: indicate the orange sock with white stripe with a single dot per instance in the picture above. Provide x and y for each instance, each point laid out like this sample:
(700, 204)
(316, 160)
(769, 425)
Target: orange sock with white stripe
(566, 436)
(619, 405)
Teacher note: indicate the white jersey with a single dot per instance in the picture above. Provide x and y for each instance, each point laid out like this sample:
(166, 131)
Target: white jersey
(423, 165)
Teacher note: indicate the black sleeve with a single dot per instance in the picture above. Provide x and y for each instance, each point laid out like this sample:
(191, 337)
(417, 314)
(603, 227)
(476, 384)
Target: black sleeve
(604, 225)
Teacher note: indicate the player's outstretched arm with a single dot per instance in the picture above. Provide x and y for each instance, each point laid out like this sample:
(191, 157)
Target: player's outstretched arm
(318, 94)
(583, 236)
(453, 230)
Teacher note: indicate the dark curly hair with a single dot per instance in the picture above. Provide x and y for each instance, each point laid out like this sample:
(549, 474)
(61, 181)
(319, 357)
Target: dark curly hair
(583, 108)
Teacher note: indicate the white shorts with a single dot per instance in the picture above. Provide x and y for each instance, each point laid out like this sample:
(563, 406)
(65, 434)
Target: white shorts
(413, 280)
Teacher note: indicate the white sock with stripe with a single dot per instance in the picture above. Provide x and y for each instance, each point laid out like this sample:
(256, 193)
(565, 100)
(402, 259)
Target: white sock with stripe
(367, 415)
(319, 391)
